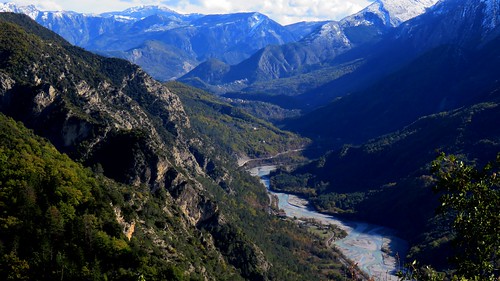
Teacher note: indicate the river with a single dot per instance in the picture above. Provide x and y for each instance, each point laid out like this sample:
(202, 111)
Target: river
(363, 243)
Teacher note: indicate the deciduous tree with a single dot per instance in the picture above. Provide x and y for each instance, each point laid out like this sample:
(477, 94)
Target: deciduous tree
(472, 197)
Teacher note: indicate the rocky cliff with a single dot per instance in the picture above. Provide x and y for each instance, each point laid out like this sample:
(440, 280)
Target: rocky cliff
(112, 116)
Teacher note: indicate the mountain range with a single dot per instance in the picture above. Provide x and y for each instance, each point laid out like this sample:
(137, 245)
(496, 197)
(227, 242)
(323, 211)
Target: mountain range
(431, 86)
(167, 44)
(439, 61)
(275, 70)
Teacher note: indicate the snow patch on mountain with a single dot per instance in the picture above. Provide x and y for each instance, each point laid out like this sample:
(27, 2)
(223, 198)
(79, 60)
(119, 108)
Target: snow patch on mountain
(330, 34)
(381, 15)
(391, 12)
(255, 20)
(161, 27)
(141, 12)
(491, 14)
(30, 10)
(121, 18)
(400, 11)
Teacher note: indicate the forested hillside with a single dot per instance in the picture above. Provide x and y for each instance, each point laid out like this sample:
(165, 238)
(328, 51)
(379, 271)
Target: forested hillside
(60, 221)
(158, 200)
(387, 179)
(231, 128)
(430, 87)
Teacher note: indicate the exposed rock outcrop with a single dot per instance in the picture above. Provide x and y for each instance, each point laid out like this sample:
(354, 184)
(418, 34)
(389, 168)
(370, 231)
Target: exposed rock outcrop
(112, 116)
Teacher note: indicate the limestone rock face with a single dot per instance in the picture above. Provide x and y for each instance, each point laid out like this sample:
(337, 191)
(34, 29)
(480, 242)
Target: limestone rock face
(106, 113)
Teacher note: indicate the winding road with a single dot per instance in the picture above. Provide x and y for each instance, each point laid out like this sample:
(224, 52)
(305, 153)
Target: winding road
(244, 160)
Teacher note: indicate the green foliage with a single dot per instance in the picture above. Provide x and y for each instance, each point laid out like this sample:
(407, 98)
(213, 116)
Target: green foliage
(57, 221)
(60, 221)
(338, 202)
(472, 197)
(230, 129)
(414, 271)
(265, 110)
(28, 24)
(308, 186)
(15, 46)
(45, 201)
(283, 181)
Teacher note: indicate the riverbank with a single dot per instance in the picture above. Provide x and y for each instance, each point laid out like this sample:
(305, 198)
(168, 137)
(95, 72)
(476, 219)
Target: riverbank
(297, 201)
(364, 243)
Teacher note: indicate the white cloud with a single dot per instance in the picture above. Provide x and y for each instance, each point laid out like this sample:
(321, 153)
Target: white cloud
(283, 11)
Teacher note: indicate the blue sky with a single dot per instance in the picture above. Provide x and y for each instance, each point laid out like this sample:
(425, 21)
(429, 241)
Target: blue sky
(282, 11)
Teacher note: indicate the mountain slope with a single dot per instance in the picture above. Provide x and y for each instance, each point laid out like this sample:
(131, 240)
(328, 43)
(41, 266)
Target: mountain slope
(387, 180)
(84, 90)
(301, 29)
(75, 225)
(450, 22)
(189, 211)
(392, 13)
(385, 135)
(222, 124)
(428, 71)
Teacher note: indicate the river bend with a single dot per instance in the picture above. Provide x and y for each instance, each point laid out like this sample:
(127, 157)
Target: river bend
(363, 243)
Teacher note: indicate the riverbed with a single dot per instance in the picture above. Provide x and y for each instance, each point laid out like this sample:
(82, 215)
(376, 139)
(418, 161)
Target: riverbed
(363, 243)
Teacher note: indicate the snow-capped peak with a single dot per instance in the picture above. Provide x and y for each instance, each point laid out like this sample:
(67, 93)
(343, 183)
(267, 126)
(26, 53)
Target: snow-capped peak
(30, 10)
(402, 10)
(147, 10)
(491, 14)
(391, 12)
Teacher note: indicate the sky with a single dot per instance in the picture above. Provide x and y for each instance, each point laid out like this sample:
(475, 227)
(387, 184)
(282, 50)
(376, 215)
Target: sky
(282, 11)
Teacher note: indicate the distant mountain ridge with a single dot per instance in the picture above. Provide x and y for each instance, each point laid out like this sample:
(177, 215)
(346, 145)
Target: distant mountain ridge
(180, 42)
(468, 23)
(315, 50)
(433, 63)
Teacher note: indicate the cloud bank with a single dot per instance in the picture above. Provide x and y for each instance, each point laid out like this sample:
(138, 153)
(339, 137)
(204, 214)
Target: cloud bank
(282, 11)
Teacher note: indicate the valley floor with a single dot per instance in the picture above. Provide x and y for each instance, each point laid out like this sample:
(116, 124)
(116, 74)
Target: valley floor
(366, 245)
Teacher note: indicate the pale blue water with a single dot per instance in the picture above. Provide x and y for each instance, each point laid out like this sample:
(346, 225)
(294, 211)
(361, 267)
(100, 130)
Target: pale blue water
(363, 243)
